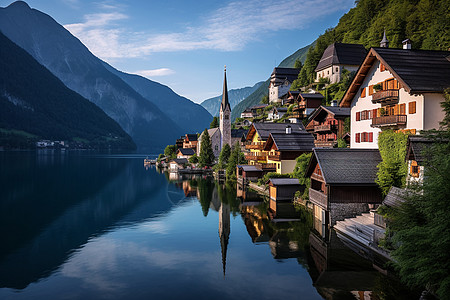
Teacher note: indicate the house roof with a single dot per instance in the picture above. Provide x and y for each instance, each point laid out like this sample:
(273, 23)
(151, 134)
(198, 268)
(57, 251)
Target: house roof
(258, 106)
(323, 111)
(191, 137)
(249, 168)
(295, 141)
(264, 129)
(186, 151)
(238, 133)
(311, 96)
(346, 166)
(418, 145)
(395, 197)
(179, 161)
(418, 71)
(341, 54)
(281, 109)
(285, 72)
(284, 181)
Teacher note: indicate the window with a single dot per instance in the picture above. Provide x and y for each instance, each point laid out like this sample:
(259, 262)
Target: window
(412, 107)
(363, 115)
(370, 137)
(374, 113)
(402, 108)
(382, 67)
(337, 69)
(357, 137)
(358, 116)
(415, 170)
(216, 147)
(227, 117)
(363, 92)
(370, 90)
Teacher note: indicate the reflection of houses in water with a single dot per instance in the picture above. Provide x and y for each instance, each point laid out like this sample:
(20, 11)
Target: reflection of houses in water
(255, 220)
(189, 191)
(283, 247)
(224, 232)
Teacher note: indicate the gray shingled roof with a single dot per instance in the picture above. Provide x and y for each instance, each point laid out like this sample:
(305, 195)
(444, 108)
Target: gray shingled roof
(249, 168)
(312, 95)
(346, 166)
(265, 129)
(187, 151)
(238, 133)
(395, 197)
(421, 70)
(284, 181)
(192, 137)
(180, 161)
(342, 54)
(293, 142)
(285, 73)
(335, 110)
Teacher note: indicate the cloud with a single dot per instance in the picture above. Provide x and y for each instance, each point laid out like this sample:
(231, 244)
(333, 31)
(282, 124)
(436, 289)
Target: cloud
(155, 73)
(229, 28)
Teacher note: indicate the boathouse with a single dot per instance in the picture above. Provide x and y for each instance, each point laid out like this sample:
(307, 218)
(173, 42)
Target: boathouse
(282, 190)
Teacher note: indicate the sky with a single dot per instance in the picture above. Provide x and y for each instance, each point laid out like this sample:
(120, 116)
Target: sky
(185, 44)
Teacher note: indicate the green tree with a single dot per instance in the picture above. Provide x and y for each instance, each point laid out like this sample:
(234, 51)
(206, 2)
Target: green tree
(224, 156)
(236, 158)
(206, 152)
(341, 143)
(214, 123)
(298, 64)
(392, 169)
(265, 99)
(171, 151)
(300, 169)
(193, 159)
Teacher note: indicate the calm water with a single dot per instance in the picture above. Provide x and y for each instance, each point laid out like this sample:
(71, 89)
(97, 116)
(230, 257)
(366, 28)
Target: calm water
(79, 226)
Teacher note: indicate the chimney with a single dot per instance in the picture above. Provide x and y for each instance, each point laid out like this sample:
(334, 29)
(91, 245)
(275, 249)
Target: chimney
(288, 129)
(384, 42)
(334, 103)
(406, 44)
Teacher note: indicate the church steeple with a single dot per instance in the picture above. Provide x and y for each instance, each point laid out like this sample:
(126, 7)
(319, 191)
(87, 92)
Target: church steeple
(384, 42)
(225, 102)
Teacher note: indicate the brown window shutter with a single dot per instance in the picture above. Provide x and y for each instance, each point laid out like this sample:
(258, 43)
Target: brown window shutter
(358, 116)
(371, 137)
(357, 137)
(412, 107)
(370, 90)
(402, 108)
(374, 113)
(363, 93)
(395, 109)
(382, 67)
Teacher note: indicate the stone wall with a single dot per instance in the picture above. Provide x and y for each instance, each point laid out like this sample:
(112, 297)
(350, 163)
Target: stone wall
(340, 211)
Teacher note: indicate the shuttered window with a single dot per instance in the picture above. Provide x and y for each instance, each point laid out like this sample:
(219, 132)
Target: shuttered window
(357, 137)
(358, 116)
(370, 90)
(374, 113)
(412, 107)
(402, 108)
(363, 92)
(370, 137)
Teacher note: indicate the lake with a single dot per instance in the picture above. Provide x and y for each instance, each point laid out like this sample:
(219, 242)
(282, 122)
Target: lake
(78, 225)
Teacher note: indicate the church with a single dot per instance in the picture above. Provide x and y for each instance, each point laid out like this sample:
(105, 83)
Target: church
(221, 135)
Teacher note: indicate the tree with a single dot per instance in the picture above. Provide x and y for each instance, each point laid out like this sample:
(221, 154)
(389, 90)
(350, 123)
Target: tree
(236, 158)
(193, 159)
(224, 156)
(170, 151)
(214, 123)
(392, 169)
(265, 99)
(300, 172)
(298, 64)
(206, 152)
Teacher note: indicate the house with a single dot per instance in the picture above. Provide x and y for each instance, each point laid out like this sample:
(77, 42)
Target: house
(179, 142)
(339, 56)
(256, 137)
(327, 123)
(238, 136)
(289, 97)
(177, 164)
(306, 103)
(282, 190)
(276, 113)
(280, 82)
(247, 113)
(185, 153)
(343, 182)
(190, 141)
(399, 89)
(247, 173)
(214, 136)
(416, 156)
(284, 147)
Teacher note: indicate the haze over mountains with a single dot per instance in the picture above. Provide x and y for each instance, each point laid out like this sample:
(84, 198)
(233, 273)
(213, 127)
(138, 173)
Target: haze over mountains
(235, 96)
(151, 113)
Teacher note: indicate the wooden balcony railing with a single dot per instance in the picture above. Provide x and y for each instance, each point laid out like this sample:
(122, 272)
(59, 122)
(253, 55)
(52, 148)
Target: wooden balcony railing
(254, 145)
(318, 198)
(395, 120)
(320, 144)
(324, 128)
(259, 156)
(265, 166)
(274, 156)
(385, 96)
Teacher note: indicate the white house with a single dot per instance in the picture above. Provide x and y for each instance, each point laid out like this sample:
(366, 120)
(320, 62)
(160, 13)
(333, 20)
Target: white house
(399, 89)
(280, 82)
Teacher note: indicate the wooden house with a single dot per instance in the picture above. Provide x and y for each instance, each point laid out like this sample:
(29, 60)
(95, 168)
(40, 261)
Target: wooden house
(305, 104)
(185, 153)
(416, 156)
(284, 147)
(280, 82)
(343, 182)
(190, 141)
(179, 142)
(246, 173)
(339, 56)
(282, 190)
(326, 123)
(399, 89)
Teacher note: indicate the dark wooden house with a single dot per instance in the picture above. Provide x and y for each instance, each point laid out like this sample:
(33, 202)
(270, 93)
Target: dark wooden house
(306, 103)
(343, 182)
(326, 123)
(282, 190)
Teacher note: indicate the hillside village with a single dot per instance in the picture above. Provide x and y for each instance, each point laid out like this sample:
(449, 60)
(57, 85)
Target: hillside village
(327, 154)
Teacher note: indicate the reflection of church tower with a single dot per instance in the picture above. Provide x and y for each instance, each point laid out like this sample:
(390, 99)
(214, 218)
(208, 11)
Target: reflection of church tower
(224, 231)
(225, 115)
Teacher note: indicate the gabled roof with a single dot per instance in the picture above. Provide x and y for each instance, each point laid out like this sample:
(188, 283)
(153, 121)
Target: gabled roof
(238, 133)
(264, 129)
(341, 54)
(180, 161)
(249, 168)
(186, 151)
(346, 166)
(191, 137)
(284, 181)
(418, 71)
(294, 141)
(418, 145)
(289, 74)
(311, 96)
(395, 197)
(323, 111)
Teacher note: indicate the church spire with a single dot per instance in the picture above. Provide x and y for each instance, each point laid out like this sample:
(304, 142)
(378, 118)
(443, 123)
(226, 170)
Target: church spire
(384, 42)
(225, 102)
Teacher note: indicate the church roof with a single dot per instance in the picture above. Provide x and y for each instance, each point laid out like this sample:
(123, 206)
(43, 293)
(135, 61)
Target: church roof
(342, 54)
(225, 102)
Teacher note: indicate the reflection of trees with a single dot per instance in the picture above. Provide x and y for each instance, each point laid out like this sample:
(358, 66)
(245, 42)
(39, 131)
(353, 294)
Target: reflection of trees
(205, 192)
(227, 195)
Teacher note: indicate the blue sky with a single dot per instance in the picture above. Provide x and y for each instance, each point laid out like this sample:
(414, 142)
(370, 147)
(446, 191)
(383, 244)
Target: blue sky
(185, 44)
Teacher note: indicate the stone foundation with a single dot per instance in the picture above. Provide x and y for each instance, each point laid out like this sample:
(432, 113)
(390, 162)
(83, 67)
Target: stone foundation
(340, 211)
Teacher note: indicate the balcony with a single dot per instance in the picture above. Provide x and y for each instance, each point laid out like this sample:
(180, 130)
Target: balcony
(256, 157)
(389, 121)
(324, 128)
(274, 156)
(318, 198)
(324, 144)
(264, 166)
(254, 145)
(385, 97)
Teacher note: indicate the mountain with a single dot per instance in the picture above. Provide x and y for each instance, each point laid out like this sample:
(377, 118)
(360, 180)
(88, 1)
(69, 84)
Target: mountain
(235, 96)
(68, 59)
(255, 97)
(35, 104)
(188, 115)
